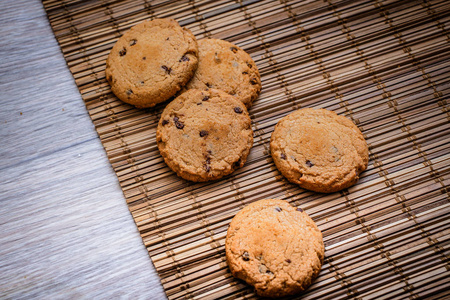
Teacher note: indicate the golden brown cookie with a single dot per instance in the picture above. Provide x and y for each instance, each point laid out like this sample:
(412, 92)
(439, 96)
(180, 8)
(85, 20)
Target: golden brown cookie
(224, 66)
(204, 135)
(319, 150)
(274, 247)
(151, 62)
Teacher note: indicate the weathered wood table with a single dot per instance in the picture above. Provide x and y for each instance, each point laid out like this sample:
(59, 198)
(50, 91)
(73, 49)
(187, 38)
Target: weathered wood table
(65, 229)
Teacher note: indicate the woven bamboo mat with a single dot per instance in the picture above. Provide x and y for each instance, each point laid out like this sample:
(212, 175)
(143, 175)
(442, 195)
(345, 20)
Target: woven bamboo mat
(383, 64)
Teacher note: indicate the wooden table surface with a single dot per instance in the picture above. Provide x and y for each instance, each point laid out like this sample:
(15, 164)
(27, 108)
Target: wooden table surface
(65, 229)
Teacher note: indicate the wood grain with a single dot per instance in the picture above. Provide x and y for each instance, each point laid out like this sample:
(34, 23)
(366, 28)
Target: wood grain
(65, 230)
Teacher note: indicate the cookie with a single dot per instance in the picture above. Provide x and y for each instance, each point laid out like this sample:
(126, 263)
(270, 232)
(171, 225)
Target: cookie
(274, 247)
(319, 150)
(151, 62)
(204, 135)
(225, 66)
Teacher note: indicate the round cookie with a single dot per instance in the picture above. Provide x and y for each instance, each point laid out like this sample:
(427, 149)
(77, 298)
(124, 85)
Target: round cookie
(204, 135)
(151, 62)
(319, 150)
(274, 247)
(224, 66)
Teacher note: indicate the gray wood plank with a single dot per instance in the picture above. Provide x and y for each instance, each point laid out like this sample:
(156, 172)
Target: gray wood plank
(65, 229)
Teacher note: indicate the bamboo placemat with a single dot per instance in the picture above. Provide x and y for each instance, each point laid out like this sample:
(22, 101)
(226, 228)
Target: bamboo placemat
(383, 64)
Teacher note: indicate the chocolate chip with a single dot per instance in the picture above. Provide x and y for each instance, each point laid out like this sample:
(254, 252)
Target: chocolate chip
(203, 133)
(168, 70)
(164, 122)
(237, 164)
(249, 65)
(269, 272)
(234, 49)
(207, 167)
(199, 103)
(209, 151)
(244, 73)
(179, 125)
(205, 98)
(278, 209)
(299, 209)
(123, 52)
(288, 261)
(208, 84)
(175, 119)
(283, 156)
(253, 81)
(246, 256)
(129, 92)
(309, 164)
(184, 58)
(238, 110)
(133, 42)
(144, 58)
(167, 39)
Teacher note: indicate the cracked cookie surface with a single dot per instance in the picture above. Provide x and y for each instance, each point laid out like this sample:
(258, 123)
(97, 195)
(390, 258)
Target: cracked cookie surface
(319, 150)
(151, 62)
(274, 247)
(204, 134)
(225, 66)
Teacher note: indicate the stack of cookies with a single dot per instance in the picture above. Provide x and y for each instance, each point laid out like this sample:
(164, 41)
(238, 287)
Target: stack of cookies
(205, 133)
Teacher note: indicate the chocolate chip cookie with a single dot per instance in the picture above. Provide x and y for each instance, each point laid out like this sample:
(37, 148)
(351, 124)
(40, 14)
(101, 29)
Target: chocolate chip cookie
(319, 150)
(225, 66)
(204, 135)
(151, 62)
(274, 247)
